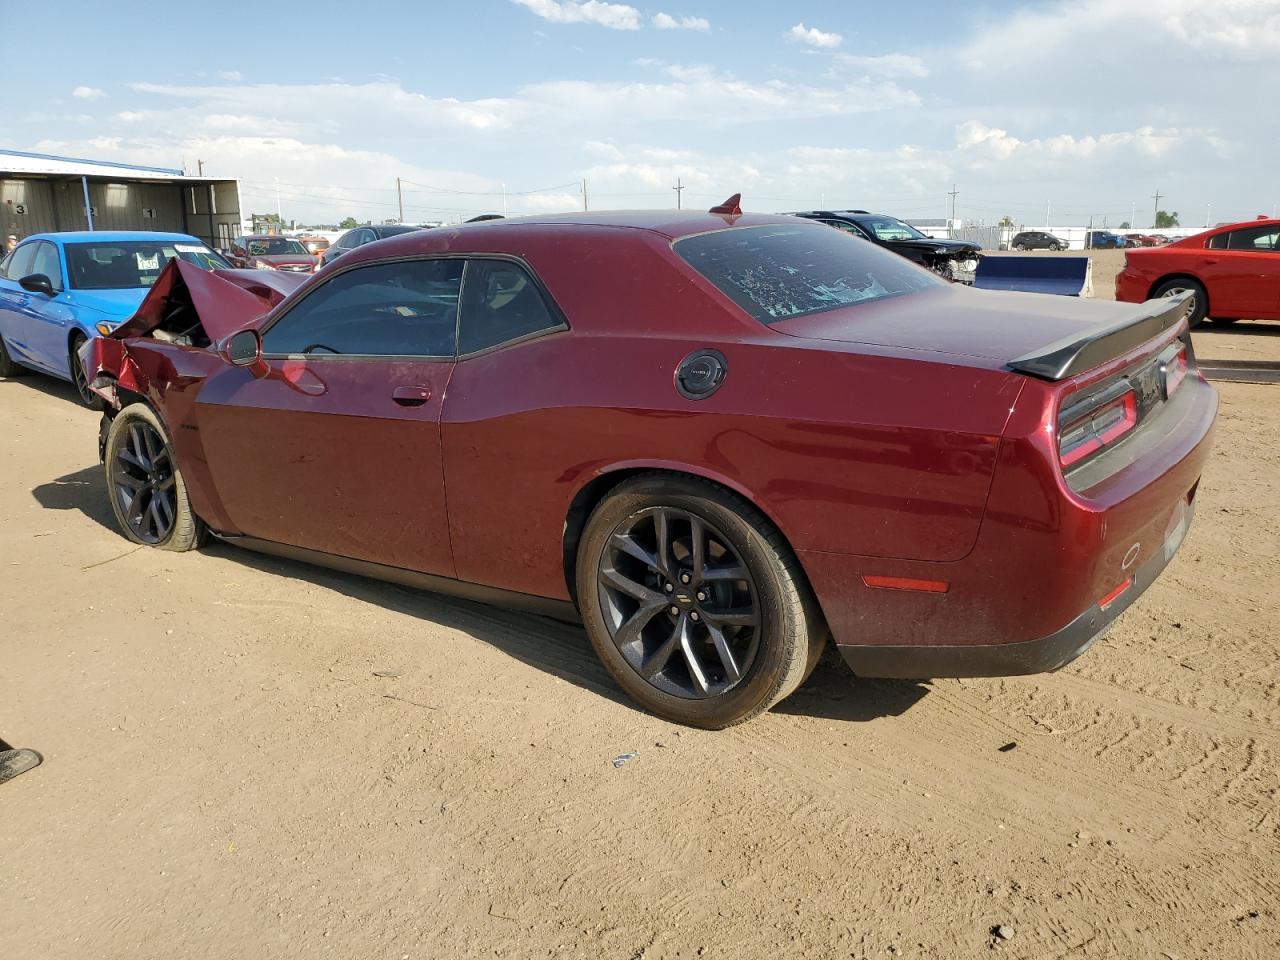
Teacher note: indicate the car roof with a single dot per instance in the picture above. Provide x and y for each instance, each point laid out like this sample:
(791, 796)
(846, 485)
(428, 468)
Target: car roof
(111, 236)
(671, 224)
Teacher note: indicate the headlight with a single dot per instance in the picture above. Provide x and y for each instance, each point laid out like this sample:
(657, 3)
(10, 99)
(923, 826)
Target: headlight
(262, 265)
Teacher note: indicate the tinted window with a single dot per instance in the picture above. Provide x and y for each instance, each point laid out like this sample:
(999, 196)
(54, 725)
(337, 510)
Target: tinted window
(777, 272)
(500, 302)
(841, 225)
(1250, 238)
(49, 263)
(20, 261)
(404, 309)
(887, 228)
(130, 264)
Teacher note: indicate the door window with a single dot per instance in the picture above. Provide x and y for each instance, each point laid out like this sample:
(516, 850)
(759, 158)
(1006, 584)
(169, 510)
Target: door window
(20, 261)
(403, 309)
(1265, 239)
(48, 262)
(501, 303)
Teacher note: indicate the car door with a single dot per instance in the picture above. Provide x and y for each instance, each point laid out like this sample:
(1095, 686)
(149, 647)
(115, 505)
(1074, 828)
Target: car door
(507, 323)
(1241, 271)
(52, 317)
(17, 317)
(337, 449)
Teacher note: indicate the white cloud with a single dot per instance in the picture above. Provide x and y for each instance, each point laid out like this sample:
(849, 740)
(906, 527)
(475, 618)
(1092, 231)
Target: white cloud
(88, 93)
(981, 142)
(886, 65)
(616, 16)
(232, 76)
(814, 37)
(664, 21)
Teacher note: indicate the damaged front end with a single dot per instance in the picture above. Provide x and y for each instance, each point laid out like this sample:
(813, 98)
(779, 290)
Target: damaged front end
(957, 265)
(187, 310)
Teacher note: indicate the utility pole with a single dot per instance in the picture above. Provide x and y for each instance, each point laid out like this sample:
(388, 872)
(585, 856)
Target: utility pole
(1047, 205)
(953, 194)
(504, 199)
(400, 197)
(584, 194)
(279, 216)
(199, 168)
(679, 188)
(1133, 214)
(1207, 208)
(1157, 213)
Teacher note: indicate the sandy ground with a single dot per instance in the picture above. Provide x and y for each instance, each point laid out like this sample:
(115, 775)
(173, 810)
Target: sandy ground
(228, 776)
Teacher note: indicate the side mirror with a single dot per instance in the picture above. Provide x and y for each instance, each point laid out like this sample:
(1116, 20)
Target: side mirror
(244, 349)
(37, 283)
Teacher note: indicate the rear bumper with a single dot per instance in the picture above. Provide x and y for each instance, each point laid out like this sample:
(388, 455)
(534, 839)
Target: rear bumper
(1041, 655)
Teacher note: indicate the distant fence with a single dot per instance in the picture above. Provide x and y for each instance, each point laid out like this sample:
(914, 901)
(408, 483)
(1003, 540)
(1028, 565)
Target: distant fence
(997, 238)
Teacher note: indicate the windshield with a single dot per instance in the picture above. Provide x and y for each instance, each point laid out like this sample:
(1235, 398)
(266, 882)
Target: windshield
(777, 272)
(132, 264)
(276, 247)
(887, 228)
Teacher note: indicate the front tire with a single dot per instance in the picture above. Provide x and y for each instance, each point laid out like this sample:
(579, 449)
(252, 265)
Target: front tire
(694, 601)
(78, 376)
(148, 495)
(1199, 303)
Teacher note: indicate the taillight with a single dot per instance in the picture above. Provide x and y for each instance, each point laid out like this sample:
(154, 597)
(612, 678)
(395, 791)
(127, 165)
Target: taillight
(1085, 428)
(1173, 369)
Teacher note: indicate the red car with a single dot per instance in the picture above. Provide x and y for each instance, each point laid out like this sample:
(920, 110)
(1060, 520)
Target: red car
(1231, 272)
(273, 253)
(718, 439)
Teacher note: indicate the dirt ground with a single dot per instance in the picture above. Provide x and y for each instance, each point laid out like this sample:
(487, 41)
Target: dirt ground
(251, 758)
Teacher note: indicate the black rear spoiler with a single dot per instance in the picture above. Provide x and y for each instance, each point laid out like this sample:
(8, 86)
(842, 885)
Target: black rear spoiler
(1095, 346)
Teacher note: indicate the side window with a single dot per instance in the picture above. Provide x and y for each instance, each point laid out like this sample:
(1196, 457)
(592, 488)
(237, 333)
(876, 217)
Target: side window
(363, 237)
(48, 262)
(403, 309)
(500, 303)
(841, 225)
(20, 261)
(1249, 238)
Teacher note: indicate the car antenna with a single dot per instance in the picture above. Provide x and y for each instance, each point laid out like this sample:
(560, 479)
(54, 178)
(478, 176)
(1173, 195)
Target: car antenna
(731, 207)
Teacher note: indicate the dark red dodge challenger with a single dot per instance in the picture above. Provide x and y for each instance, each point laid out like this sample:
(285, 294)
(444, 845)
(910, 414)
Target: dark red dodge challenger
(716, 438)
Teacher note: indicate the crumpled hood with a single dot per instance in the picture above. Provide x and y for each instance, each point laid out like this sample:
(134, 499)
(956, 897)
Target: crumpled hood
(949, 247)
(112, 304)
(994, 326)
(224, 300)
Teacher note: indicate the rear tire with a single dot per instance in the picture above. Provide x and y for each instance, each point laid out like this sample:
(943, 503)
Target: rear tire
(8, 366)
(148, 495)
(702, 670)
(1020, 246)
(1199, 305)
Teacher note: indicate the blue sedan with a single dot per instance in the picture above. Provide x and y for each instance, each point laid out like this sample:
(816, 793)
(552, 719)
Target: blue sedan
(59, 289)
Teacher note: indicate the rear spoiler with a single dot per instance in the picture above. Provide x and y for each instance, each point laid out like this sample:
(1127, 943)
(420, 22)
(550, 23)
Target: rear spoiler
(1096, 345)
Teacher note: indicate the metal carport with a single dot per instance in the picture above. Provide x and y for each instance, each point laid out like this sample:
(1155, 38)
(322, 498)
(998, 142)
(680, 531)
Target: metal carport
(40, 193)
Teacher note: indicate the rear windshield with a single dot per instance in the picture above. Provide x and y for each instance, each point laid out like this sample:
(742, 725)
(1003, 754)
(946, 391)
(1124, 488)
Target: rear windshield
(130, 264)
(777, 272)
(276, 247)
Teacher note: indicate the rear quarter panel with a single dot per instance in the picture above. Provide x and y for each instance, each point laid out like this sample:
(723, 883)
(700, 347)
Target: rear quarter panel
(845, 452)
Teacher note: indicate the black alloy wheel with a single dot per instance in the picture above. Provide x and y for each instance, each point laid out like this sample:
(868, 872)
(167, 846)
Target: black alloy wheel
(143, 484)
(679, 603)
(78, 376)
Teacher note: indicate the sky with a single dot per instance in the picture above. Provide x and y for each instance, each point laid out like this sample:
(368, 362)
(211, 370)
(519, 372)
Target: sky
(1076, 108)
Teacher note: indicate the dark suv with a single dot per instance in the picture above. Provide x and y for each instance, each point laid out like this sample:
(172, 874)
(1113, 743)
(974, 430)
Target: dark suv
(953, 259)
(1036, 240)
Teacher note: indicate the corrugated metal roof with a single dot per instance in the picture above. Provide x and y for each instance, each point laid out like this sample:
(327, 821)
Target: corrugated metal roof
(18, 161)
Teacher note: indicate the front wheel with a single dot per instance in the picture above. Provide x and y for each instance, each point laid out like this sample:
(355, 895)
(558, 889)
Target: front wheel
(1199, 303)
(148, 495)
(78, 377)
(694, 601)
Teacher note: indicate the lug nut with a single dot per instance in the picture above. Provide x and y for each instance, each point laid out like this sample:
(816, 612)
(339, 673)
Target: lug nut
(702, 595)
(675, 611)
(694, 616)
(669, 587)
(685, 578)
